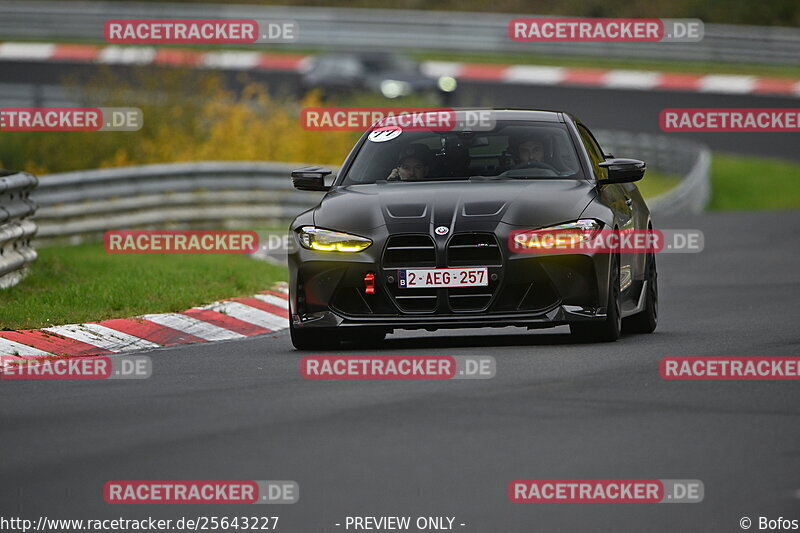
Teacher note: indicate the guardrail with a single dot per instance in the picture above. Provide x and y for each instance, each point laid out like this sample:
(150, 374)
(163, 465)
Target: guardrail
(667, 155)
(397, 30)
(210, 194)
(230, 194)
(16, 230)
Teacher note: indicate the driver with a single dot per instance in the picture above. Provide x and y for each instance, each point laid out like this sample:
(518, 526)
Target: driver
(414, 163)
(530, 148)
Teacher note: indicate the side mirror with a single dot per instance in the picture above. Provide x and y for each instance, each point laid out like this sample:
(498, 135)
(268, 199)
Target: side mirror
(310, 178)
(623, 170)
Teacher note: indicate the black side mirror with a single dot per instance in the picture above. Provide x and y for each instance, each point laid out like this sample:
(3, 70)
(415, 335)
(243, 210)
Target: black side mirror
(310, 178)
(623, 170)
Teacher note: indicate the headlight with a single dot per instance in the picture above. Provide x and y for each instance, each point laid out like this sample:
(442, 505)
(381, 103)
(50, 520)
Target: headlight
(394, 88)
(447, 84)
(560, 236)
(324, 240)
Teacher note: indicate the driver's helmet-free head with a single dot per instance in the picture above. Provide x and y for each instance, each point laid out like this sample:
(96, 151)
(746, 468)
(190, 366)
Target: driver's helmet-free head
(529, 147)
(414, 161)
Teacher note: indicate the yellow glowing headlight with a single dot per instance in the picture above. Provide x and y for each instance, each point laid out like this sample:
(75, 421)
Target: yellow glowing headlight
(447, 84)
(561, 236)
(324, 240)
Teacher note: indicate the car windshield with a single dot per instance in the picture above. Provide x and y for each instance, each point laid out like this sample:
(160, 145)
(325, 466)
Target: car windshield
(337, 65)
(387, 63)
(512, 150)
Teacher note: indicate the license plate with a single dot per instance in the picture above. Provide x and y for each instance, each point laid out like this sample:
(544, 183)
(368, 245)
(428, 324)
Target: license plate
(432, 278)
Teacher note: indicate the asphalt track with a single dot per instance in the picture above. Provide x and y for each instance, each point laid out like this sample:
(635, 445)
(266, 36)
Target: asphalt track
(556, 409)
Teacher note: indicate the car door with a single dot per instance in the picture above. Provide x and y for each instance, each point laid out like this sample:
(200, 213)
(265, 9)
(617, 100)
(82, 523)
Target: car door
(615, 196)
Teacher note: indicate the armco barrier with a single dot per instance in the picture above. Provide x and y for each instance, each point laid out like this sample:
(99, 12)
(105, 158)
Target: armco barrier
(209, 194)
(372, 29)
(667, 155)
(220, 194)
(16, 229)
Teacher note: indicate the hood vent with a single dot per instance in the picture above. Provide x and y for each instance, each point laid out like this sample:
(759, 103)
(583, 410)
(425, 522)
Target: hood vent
(407, 210)
(482, 209)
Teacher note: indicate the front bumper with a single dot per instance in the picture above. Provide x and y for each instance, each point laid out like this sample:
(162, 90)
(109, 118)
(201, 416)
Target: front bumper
(559, 315)
(534, 290)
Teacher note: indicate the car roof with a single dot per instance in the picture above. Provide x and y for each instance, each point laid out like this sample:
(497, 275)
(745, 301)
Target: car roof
(519, 114)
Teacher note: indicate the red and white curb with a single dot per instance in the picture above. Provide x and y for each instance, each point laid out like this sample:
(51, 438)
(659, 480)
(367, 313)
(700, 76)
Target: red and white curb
(236, 318)
(519, 74)
(615, 79)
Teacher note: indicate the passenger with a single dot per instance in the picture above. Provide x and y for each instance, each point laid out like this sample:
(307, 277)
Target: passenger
(414, 163)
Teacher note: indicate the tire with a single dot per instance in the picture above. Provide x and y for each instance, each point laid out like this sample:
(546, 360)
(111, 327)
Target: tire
(646, 320)
(609, 329)
(314, 338)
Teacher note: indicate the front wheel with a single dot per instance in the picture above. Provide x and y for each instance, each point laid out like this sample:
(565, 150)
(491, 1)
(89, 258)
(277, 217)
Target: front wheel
(647, 320)
(609, 329)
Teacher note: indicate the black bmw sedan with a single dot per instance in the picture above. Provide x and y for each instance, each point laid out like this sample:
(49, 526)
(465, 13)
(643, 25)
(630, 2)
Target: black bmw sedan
(420, 230)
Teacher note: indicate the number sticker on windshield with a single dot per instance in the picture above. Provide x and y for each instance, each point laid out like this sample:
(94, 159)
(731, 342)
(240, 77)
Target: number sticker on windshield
(387, 133)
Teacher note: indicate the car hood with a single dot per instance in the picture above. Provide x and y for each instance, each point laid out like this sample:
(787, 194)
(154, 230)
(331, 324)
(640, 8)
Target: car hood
(458, 205)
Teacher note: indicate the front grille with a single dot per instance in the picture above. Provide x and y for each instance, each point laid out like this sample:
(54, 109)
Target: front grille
(473, 249)
(463, 250)
(409, 251)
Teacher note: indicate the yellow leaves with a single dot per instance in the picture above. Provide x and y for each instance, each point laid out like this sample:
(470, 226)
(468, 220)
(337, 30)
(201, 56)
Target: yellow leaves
(187, 117)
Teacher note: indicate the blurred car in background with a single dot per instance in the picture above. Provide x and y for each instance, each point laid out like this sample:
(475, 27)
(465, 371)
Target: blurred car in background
(390, 75)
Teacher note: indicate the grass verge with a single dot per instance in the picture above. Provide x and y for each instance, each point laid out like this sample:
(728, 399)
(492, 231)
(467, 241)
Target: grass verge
(753, 183)
(74, 284)
(655, 183)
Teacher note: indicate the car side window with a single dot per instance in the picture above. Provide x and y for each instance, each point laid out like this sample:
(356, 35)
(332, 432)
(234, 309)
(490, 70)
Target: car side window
(594, 151)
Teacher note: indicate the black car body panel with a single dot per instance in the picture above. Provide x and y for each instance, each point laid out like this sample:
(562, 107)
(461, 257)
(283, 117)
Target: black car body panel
(327, 289)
